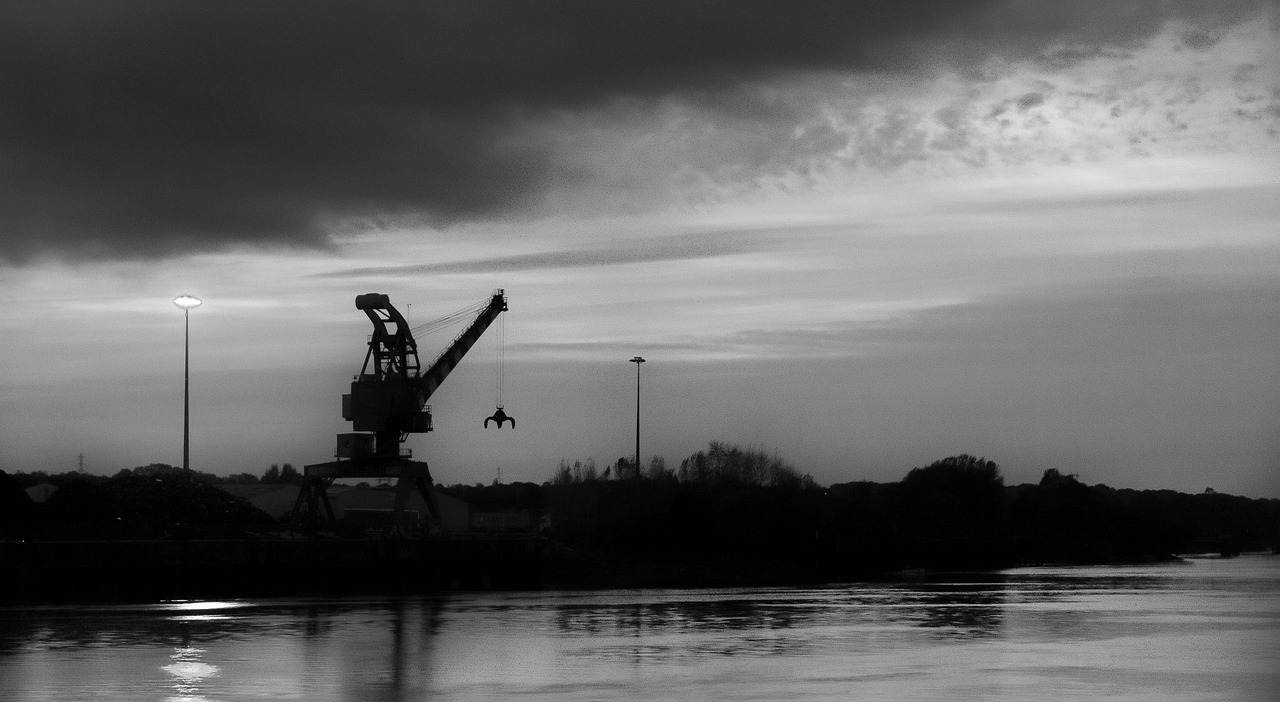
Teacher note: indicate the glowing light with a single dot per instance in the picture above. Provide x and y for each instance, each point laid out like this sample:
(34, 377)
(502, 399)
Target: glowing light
(186, 302)
(199, 605)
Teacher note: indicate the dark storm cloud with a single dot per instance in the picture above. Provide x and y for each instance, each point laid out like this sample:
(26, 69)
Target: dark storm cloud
(147, 128)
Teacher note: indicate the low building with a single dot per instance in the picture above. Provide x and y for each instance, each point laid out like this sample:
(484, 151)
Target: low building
(502, 521)
(363, 505)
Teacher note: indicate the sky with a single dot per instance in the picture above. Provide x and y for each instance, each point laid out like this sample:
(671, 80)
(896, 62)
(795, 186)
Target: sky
(861, 235)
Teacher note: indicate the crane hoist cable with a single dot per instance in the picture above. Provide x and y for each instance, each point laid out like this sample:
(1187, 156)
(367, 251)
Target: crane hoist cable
(501, 343)
(500, 415)
(468, 314)
(465, 314)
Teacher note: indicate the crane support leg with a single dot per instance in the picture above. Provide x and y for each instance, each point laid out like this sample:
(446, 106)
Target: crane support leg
(405, 486)
(429, 495)
(313, 494)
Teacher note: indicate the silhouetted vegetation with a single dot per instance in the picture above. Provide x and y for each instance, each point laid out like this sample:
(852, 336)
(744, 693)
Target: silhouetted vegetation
(734, 516)
(277, 475)
(15, 506)
(153, 501)
(727, 516)
(726, 464)
(721, 464)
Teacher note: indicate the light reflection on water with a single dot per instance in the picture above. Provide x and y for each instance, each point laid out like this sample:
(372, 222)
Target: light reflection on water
(1203, 630)
(188, 672)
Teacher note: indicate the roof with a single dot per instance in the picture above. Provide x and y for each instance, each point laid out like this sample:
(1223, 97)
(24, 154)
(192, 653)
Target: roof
(277, 500)
(41, 491)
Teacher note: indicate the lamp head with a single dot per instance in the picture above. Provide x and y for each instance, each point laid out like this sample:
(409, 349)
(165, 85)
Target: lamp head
(186, 302)
(637, 360)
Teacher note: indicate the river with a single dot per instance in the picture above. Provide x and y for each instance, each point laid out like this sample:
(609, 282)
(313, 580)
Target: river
(1201, 629)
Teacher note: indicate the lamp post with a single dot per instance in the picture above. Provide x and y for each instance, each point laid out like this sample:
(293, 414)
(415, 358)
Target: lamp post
(186, 302)
(637, 360)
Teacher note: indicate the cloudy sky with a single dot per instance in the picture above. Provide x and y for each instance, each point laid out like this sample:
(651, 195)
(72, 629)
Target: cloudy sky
(865, 235)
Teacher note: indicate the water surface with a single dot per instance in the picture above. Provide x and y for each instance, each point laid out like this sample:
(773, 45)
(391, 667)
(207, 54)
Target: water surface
(1197, 630)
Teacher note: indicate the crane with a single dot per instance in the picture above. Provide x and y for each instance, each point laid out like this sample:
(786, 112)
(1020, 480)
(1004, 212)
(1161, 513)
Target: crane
(387, 402)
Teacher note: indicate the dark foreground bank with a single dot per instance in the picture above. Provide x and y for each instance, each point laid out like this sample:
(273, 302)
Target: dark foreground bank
(165, 534)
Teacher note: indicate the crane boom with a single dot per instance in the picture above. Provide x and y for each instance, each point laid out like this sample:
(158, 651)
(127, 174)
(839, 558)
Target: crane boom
(440, 369)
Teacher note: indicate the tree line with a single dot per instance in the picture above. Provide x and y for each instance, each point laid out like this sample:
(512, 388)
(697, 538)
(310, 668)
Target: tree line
(731, 512)
(709, 525)
(275, 474)
(721, 464)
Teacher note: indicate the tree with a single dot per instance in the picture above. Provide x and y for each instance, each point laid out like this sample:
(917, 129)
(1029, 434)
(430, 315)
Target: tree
(726, 464)
(1054, 478)
(625, 469)
(956, 496)
(658, 470)
(578, 472)
(164, 471)
(563, 474)
(272, 474)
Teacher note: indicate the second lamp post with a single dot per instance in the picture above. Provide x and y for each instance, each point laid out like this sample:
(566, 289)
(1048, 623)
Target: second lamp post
(637, 360)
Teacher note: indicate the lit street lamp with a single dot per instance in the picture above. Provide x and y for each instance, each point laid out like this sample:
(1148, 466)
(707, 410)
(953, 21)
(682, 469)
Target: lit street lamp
(637, 360)
(186, 302)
